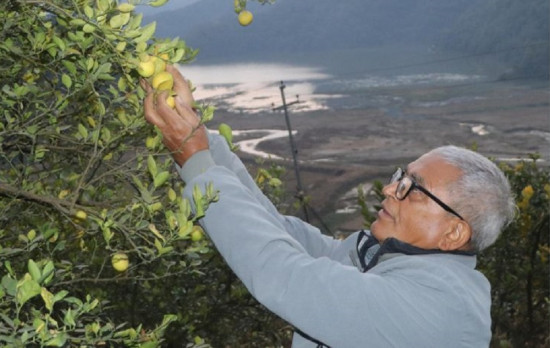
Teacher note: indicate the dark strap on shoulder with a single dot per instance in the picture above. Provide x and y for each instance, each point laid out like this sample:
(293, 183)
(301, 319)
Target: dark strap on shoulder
(308, 337)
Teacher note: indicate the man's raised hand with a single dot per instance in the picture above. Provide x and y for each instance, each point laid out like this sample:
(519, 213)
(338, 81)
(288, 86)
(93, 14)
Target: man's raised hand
(183, 134)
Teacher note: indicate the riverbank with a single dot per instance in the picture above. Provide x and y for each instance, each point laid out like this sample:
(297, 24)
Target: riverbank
(340, 149)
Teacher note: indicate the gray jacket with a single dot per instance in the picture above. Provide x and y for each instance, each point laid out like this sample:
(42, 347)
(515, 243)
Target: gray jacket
(308, 279)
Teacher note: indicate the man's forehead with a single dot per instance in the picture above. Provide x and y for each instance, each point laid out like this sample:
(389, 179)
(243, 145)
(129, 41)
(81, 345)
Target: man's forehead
(414, 174)
(431, 168)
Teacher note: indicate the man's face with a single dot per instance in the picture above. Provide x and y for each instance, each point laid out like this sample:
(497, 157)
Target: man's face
(417, 219)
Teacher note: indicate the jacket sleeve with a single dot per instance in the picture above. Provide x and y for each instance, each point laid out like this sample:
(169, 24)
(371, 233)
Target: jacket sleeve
(310, 237)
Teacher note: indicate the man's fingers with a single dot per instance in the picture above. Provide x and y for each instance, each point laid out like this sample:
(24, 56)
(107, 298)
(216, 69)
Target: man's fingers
(145, 85)
(181, 86)
(186, 112)
(151, 114)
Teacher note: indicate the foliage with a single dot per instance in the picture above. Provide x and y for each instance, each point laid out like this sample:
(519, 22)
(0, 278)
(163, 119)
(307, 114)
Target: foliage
(78, 184)
(517, 265)
(365, 204)
(83, 177)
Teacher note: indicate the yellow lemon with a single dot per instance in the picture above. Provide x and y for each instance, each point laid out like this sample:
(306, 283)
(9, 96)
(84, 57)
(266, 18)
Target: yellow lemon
(120, 262)
(163, 81)
(81, 214)
(245, 18)
(196, 234)
(171, 102)
(527, 192)
(146, 69)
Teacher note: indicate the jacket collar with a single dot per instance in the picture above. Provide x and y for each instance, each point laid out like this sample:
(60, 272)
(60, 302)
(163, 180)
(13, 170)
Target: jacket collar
(369, 250)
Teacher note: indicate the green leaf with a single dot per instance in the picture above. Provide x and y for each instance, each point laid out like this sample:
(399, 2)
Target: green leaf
(60, 295)
(60, 43)
(157, 3)
(66, 81)
(34, 270)
(27, 288)
(226, 131)
(125, 7)
(103, 5)
(152, 166)
(47, 273)
(117, 21)
(107, 234)
(48, 298)
(105, 68)
(88, 28)
(58, 341)
(68, 318)
(82, 131)
(10, 285)
(146, 32)
(149, 344)
(178, 55)
(121, 46)
(199, 205)
(158, 245)
(135, 21)
(71, 67)
(161, 178)
(156, 232)
(89, 12)
(77, 22)
(90, 62)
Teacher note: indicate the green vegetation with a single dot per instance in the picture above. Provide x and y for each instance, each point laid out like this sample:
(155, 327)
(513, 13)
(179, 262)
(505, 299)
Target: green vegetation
(96, 244)
(517, 265)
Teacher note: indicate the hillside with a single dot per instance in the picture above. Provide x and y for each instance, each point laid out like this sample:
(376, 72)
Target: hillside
(519, 30)
(306, 28)
(308, 25)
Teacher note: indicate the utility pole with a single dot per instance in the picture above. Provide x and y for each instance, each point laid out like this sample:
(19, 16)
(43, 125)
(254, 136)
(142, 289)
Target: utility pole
(300, 191)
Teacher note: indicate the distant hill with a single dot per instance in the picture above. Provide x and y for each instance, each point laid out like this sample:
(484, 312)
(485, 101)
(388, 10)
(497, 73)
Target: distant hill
(308, 25)
(319, 27)
(518, 29)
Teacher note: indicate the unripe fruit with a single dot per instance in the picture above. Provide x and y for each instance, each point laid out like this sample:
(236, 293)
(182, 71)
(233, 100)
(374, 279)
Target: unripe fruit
(150, 143)
(196, 234)
(120, 262)
(245, 18)
(163, 81)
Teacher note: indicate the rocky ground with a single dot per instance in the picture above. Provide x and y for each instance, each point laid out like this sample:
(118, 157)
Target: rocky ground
(341, 149)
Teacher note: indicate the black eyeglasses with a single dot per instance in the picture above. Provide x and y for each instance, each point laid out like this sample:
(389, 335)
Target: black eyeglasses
(407, 184)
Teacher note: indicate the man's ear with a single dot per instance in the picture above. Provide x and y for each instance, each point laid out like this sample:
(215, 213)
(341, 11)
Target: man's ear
(456, 237)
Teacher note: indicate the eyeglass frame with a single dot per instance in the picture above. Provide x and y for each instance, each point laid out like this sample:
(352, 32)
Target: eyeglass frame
(398, 177)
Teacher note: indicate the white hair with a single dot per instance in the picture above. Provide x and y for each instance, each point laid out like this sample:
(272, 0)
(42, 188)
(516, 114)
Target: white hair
(482, 194)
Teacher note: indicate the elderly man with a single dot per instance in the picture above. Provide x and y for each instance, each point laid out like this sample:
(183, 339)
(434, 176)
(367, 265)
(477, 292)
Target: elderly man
(409, 282)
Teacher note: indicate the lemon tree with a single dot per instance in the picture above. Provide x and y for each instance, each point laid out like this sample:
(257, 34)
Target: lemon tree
(83, 179)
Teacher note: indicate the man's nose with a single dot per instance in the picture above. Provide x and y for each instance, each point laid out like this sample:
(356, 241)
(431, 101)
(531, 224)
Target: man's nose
(389, 189)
